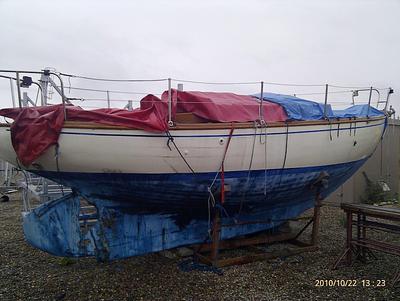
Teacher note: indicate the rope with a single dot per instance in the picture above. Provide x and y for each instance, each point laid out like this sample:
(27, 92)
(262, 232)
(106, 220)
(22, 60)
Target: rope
(209, 188)
(350, 127)
(249, 169)
(355, 128)
(265, 161)
(222, 167)
(26, 202)
(58, 167)
(222, 209)
(285, 155)
(171, 139)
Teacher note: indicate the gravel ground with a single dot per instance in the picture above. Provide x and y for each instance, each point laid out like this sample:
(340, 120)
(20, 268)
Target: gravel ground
(30, 274)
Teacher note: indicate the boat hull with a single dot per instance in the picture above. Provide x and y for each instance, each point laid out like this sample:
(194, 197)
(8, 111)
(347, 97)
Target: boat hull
(147, 199)
(173, 193)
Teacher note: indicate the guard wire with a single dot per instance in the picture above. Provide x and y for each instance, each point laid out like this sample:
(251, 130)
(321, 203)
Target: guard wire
(113, 80)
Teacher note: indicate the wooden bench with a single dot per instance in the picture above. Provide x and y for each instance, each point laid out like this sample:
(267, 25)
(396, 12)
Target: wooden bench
(360, 245)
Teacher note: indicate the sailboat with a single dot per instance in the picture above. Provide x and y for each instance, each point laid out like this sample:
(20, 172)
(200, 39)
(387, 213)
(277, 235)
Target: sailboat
(153, 174)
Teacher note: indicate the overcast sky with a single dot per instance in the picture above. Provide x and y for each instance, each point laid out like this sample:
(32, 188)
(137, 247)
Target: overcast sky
(339, 42)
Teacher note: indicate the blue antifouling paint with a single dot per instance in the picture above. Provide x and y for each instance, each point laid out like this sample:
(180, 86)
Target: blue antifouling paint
(139, 214)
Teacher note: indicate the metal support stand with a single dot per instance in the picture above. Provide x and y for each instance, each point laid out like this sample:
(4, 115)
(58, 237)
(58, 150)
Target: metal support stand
(361, 246)
(251, 242)
(216, 235)
(316, 219)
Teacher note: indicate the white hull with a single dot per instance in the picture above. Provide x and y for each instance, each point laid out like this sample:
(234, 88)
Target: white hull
(136, 151)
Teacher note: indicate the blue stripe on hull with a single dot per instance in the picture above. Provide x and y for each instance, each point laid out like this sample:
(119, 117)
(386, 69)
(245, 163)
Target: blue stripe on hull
(142, 213)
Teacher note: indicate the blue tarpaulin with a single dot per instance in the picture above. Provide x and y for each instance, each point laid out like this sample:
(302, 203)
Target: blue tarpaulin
(303, 109)
(298, 108)
(358, 111)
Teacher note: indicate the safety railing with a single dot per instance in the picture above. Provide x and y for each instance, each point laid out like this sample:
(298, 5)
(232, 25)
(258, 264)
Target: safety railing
(46, 79)
(33, 187)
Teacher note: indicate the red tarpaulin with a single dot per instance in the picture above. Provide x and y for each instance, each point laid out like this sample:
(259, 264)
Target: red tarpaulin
(224, 107)
(35, 129)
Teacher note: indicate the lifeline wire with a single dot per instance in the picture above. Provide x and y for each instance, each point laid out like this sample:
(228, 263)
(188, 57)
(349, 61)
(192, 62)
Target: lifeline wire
(110, 91)
(114, 80)
(214, 83)
(247, 83)
(206, 82)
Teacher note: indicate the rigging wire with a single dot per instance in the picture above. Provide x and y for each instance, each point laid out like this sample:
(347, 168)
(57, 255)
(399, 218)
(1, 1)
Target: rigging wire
(113, 80)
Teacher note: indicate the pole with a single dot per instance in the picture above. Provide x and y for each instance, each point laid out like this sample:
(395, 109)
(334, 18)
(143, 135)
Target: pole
(108, 99)
(349, 236)
(12, 92)
(316, 218)
(215, 237)
(129, 105)
(261, 111)
(44, 82)
(25, 99)
(170, 123)
(62, 95)
(387, 98)
(369, 101)
(326, 102)
(6, 172)
(18, 90)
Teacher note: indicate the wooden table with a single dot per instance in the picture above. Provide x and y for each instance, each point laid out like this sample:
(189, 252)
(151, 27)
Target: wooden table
(359, 215)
